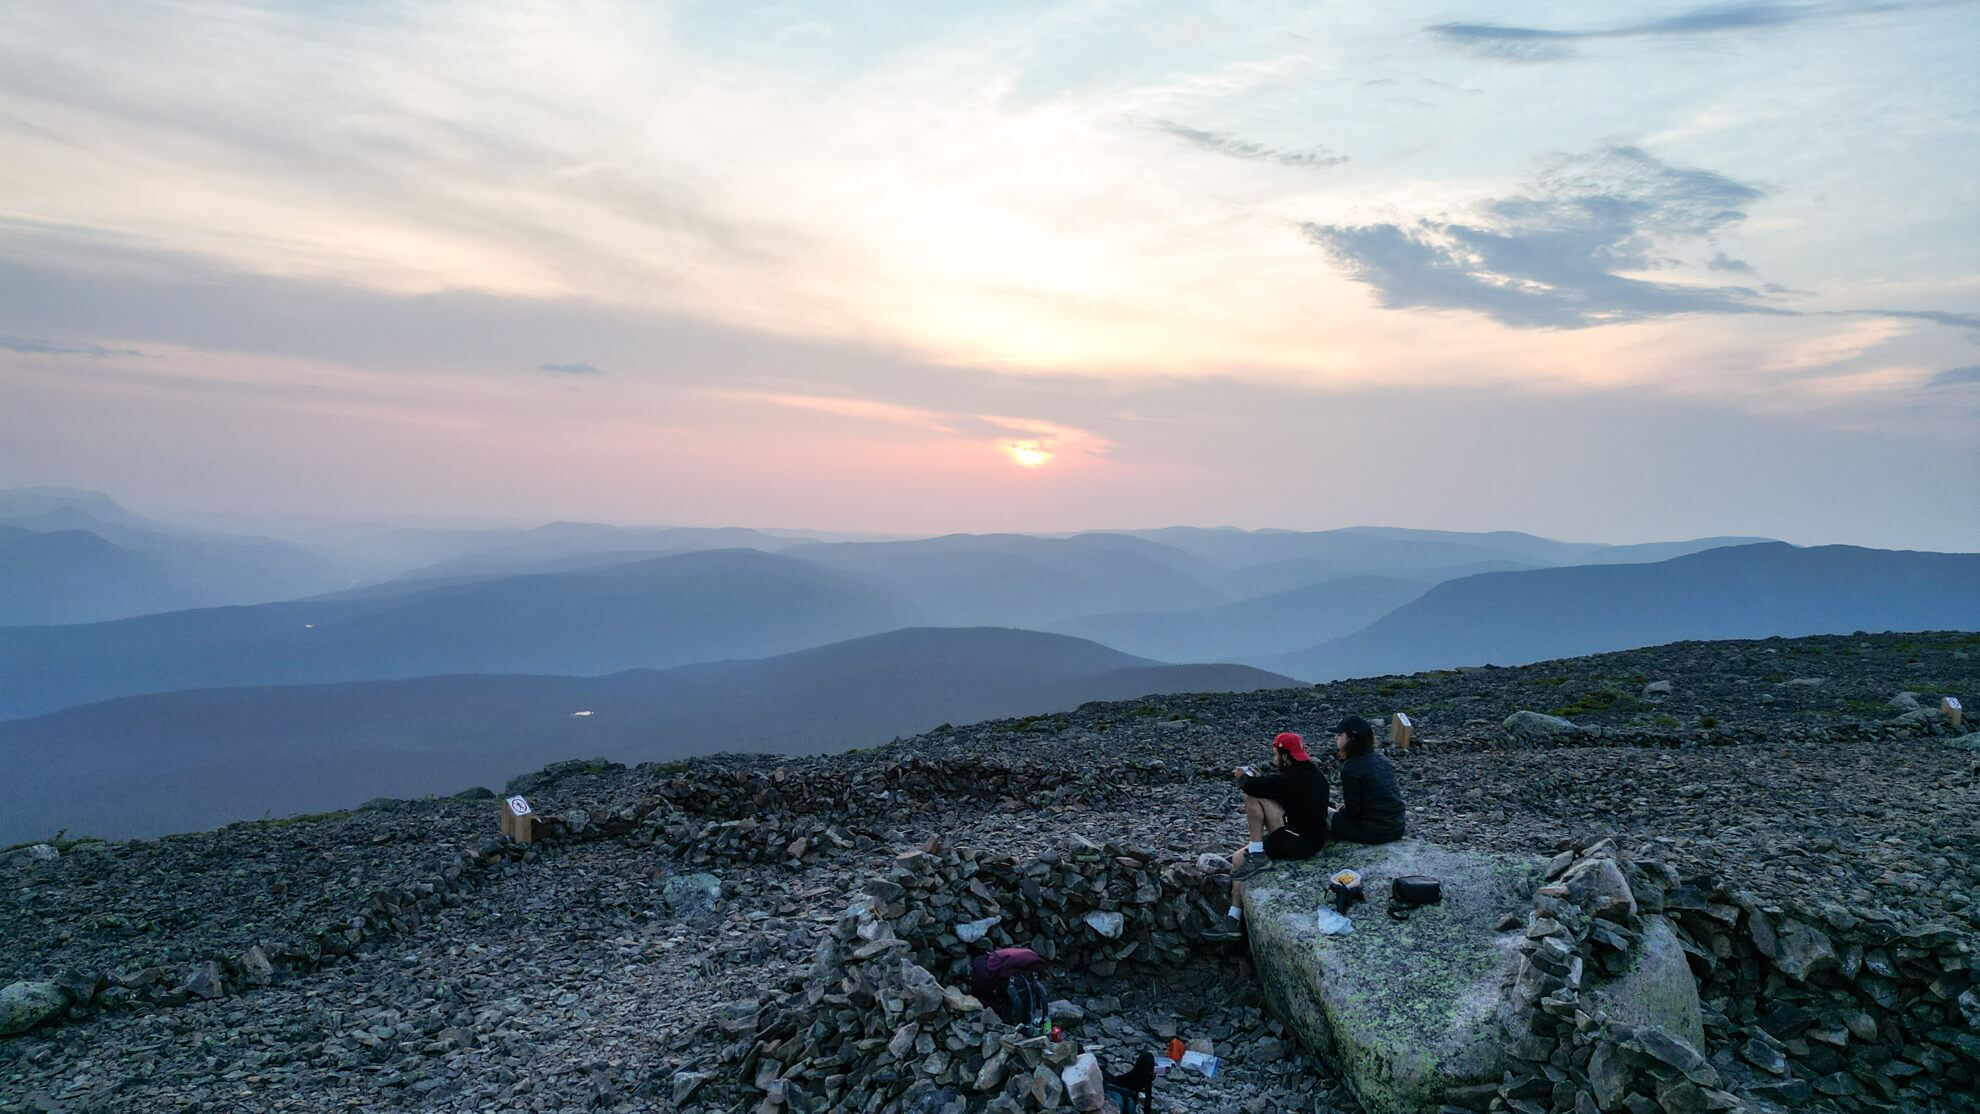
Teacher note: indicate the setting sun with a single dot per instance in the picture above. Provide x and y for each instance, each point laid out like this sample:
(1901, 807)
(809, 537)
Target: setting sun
(1027, 453)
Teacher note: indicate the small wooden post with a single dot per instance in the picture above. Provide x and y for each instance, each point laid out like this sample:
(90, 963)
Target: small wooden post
(1954, 713)
(518, 820)
(1400, 730)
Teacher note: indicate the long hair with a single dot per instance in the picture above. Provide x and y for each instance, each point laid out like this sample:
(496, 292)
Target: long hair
(1360, 743)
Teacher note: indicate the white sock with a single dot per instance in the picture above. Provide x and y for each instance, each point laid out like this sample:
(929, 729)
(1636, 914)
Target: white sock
(1256, 848)
(1235, 913)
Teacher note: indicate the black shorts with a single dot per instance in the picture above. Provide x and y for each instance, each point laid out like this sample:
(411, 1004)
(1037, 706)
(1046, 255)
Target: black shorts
(1288, 845)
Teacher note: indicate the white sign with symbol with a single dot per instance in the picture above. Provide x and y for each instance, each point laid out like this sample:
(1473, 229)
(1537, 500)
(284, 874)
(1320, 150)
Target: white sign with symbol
(1952, 703)
(1403, 718)
(518, 806)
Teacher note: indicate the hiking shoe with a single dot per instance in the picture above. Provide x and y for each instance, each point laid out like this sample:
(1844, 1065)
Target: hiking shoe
(1253, 864)
(1227, 930)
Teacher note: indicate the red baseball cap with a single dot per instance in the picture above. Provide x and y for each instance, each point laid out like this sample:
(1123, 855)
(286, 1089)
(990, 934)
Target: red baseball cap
(1294, 745)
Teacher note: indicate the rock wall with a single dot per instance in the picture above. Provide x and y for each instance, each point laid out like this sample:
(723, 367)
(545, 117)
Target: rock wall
(1825, 1007)
(873, 1028)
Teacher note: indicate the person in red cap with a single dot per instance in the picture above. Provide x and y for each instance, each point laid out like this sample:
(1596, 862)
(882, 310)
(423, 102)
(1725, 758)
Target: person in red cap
(1286, 810)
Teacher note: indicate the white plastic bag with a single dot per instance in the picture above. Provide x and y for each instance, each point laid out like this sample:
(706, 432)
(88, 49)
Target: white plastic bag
(1201, 1061)
(1332, 923)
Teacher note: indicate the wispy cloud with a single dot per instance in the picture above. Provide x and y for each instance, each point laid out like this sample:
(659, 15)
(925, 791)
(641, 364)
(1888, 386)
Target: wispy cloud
(31, 346)
(1555, 256)
(570, 369)
(862, 408)
(1540, 44)
(1031, 440)
(1313, 158)
(1048, 437)
(1957, 377)
(1939, 317)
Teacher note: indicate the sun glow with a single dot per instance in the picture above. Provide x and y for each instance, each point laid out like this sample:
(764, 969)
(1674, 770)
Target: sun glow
(1028, 454)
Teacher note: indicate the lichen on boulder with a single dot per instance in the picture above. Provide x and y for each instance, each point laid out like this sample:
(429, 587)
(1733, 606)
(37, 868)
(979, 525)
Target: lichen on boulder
(1404, 1010)
(1479, 993)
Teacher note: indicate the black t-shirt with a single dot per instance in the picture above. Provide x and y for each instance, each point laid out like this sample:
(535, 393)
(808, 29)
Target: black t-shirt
(1301, 789)
(1369, 794)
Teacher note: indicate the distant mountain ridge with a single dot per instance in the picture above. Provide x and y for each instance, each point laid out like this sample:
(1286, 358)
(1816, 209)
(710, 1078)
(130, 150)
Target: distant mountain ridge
(74, 556)
(1752, 591)
(151, 764)
(1280, 622)
(668, 611)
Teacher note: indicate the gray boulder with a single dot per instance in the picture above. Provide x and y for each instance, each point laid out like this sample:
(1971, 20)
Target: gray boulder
(1409, 1011)
(692, 897)
(1598, 886)
(205, 981)
(1658, 990)
(23, 1005)
(969, 932)
(1532, 727)
(1083, 1083)
(1108, 924)
(32, 853)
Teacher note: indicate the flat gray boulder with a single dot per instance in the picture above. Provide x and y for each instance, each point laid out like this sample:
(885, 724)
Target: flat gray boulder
(1534, 729)
(1407, 1010)
(23, 1005)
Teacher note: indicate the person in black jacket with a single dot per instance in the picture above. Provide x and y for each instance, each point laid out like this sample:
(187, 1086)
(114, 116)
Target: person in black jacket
(1286, 811)
(1371, 803)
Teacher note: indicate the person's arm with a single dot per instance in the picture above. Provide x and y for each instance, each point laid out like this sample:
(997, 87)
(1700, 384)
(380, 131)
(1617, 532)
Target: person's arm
(1354, 800)
(1273, 786)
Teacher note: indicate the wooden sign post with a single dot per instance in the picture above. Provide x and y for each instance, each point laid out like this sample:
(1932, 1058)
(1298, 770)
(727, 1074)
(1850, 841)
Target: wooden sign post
(518, 821)
(1954, 713)
(1399, 730)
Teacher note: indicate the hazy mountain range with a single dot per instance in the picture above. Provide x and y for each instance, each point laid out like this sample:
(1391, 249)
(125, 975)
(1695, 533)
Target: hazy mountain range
(150, 764)
(395, 658)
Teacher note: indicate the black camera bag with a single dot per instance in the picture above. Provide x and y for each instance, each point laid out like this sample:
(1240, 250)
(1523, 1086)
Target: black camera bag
(1409, 891)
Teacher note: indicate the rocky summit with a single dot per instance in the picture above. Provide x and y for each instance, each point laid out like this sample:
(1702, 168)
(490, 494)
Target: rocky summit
(1796, 821)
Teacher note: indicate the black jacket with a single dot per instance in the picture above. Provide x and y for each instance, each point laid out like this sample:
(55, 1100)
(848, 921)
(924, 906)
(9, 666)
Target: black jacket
(1369, 795)
(1301, 789)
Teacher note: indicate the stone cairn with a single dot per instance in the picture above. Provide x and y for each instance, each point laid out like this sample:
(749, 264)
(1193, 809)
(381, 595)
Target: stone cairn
(1587, 924)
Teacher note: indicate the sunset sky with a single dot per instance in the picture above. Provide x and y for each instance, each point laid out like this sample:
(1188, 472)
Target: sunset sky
(1608, 272)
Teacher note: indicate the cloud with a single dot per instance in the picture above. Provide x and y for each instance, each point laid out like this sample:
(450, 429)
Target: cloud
(1956, 320)
(1542, 44)
(1318, 158)
(1724, 262)
(868, 409)
(1554, 256)
(31, 346)
(1956, 377)
(1050, 438)
(570, 369)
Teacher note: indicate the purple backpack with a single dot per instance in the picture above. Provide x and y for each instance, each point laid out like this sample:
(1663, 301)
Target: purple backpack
(1006, 980)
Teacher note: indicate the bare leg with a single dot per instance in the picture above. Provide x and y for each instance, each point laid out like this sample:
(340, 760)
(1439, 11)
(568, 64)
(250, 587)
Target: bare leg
(1275, 816)
(1254, 815)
